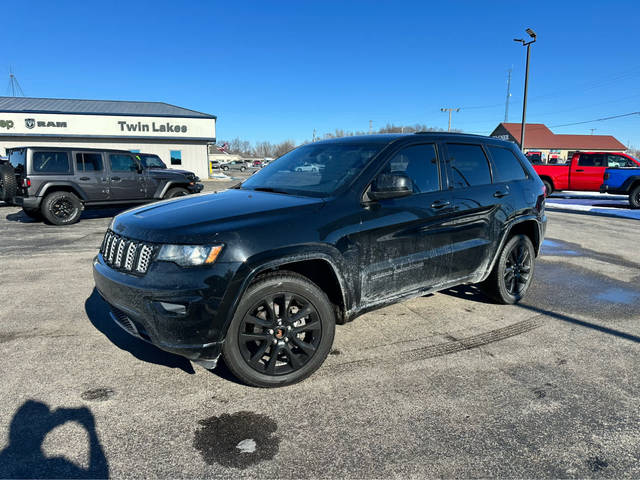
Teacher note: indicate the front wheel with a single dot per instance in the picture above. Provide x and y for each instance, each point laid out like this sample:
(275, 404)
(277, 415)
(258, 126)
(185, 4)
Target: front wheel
(547, 187)
(242, 169)
(513, 272)
(176, 192)
(634, 197)
(281, 332)
(61, 208)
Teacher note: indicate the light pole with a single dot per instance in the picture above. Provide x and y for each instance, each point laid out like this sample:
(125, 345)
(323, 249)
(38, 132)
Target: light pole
(532, 34)
(449, 110)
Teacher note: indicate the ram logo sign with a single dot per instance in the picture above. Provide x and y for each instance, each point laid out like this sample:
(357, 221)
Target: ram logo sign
(29, 122)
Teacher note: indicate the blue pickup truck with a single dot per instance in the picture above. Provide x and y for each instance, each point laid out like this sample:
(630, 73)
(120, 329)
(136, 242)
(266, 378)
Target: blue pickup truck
(624, 181)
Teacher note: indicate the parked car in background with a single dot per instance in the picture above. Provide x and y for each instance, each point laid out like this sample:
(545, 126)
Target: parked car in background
(234, 165)
(257, 164)
(623, 180)
(215, 165)
(534, 157)
(56, 184)
(309, 167)
(585, 172)
(262, 272)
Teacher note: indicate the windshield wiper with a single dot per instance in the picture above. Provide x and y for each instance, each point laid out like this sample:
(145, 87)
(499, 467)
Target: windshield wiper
(269, 189)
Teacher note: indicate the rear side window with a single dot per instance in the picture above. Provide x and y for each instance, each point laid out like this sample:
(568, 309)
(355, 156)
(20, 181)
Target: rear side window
(591, 160)
(17, 159)
(51, 162)
(420, 163)
(122, 163)
(88, 162)
(507, 167)
(618, 161)
(468, 165)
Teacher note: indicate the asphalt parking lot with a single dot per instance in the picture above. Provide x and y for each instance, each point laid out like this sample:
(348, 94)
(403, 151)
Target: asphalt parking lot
(447, 385)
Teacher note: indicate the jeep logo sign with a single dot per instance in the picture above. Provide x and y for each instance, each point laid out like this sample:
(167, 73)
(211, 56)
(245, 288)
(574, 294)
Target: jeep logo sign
(6, 124)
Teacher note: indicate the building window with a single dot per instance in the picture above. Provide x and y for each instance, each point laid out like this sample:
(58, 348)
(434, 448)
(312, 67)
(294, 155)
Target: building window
(176, 157)
(135, 151)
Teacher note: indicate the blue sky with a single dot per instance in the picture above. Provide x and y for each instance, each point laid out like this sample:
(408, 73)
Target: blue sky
(276, 70)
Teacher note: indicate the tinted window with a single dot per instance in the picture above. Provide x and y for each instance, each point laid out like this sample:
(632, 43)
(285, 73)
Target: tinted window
(17, 159)
(88, 162)
(151, 161)
(176, 157)
(507, 166)
(591, 160)
(420, 163)
(468, 165)
(51, 162)
(122, 163)
(618, 161)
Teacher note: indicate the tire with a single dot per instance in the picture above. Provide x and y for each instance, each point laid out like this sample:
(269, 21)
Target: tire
(302, 342)
(224, 168)
(8, 185)
(34, 213)
(176, 192)
(242, 169)
(634, 197)
(508, 288)
(61, 208)
(548, 187)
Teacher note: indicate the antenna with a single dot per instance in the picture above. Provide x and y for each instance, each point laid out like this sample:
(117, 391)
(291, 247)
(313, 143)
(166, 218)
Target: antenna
(506, 106)
(14, 86)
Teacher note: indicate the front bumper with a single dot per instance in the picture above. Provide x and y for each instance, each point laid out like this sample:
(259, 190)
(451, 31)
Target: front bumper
(196, 188)
(149, 306)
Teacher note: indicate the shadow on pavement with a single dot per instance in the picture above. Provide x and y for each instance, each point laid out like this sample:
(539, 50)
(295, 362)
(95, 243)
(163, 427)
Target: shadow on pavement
(23, 457)
(473, 293)
(98, 312)
(89, 213)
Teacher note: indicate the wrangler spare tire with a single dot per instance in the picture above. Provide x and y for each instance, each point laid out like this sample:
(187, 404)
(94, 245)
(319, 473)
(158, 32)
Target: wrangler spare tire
(8, 185)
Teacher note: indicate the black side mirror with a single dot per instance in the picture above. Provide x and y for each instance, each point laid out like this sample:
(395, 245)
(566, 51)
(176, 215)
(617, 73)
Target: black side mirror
(390, 185)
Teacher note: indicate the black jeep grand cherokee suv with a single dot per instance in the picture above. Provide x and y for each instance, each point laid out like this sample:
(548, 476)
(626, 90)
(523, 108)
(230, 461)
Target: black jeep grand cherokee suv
(262, 272)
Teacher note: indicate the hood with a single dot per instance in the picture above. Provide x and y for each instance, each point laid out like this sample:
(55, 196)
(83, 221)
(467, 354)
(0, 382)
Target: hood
(169, 171)
(202, 218)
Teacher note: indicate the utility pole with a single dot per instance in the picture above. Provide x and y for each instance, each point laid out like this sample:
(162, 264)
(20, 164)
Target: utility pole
(592, 130)
(14, 86)
(370, 127)
(450, 110)
(506, 106)
(532, 34)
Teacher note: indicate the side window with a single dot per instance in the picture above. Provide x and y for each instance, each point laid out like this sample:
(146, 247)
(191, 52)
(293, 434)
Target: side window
(51, 162)
(507, 166)
(420, 163)
(122, 163)
(591, 160)
(176, 157)
(88, 162)
(618, 161)
(469, 165)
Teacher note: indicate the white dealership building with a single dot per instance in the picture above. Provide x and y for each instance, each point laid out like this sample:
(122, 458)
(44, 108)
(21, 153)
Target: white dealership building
(178, 135)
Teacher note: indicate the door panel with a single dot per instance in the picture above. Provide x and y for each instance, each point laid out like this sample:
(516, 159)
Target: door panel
(91, 175)
(588, 172)
(126, 181)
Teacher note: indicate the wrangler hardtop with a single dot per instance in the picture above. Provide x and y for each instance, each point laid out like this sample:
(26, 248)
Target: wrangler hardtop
(57, 183)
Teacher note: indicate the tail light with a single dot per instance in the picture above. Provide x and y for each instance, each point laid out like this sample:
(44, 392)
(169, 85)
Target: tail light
(26, 182)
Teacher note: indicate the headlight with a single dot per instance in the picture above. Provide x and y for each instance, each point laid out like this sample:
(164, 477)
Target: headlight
(189, 255)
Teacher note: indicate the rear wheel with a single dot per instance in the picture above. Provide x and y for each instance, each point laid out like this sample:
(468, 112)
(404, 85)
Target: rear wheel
(281, 332)
(8, 185)
(242, 169)
(634, 197)
(176, 192)
(61, 208)
(548, 187)
(513, 272)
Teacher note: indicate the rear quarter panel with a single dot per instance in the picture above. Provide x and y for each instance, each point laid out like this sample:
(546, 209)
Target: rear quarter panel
(558, 174)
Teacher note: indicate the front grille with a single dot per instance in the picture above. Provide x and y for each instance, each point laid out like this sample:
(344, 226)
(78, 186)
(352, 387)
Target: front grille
(122, 253)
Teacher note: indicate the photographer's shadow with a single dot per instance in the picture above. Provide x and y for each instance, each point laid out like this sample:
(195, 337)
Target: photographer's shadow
(23, 457)
(98, 312)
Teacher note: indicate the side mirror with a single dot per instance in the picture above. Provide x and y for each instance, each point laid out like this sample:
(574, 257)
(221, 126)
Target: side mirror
(390, 185)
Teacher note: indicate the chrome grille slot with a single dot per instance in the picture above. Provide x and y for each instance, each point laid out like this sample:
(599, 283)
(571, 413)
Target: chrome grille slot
(125, 254)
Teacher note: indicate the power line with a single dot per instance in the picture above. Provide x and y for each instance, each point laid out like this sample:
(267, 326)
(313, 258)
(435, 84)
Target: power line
(596, 120)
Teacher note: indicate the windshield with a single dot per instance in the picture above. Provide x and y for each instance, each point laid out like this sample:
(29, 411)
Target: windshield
(151, 161)
(314, 170)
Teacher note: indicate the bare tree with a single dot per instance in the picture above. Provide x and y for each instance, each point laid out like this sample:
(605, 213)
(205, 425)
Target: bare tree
(283, 147)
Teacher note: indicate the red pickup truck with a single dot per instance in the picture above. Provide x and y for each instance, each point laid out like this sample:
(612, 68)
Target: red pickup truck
(585, 171)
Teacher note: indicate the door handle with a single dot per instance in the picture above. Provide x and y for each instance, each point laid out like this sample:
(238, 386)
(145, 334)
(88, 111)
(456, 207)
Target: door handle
(440, 204)
(115, 179)
(85, 178)
(580, 170)
(501, 193)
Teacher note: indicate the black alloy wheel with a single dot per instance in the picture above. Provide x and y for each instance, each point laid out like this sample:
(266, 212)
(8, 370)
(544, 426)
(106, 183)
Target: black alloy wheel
(61, 208)
(512, 273)
(634, 197)
(281, 332)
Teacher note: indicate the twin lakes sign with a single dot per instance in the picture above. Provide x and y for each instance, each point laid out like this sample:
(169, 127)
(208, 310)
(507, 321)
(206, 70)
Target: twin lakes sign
(16, 124)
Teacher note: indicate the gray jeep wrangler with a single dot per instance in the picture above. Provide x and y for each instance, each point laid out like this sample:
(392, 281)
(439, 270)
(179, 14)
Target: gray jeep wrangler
(58, 183)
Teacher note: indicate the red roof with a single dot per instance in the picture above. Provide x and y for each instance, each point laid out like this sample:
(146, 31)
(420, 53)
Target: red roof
(537, 135)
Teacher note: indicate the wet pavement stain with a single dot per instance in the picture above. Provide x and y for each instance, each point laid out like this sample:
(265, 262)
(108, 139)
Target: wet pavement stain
(225, 439)
(98, 394)
(596, 464)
